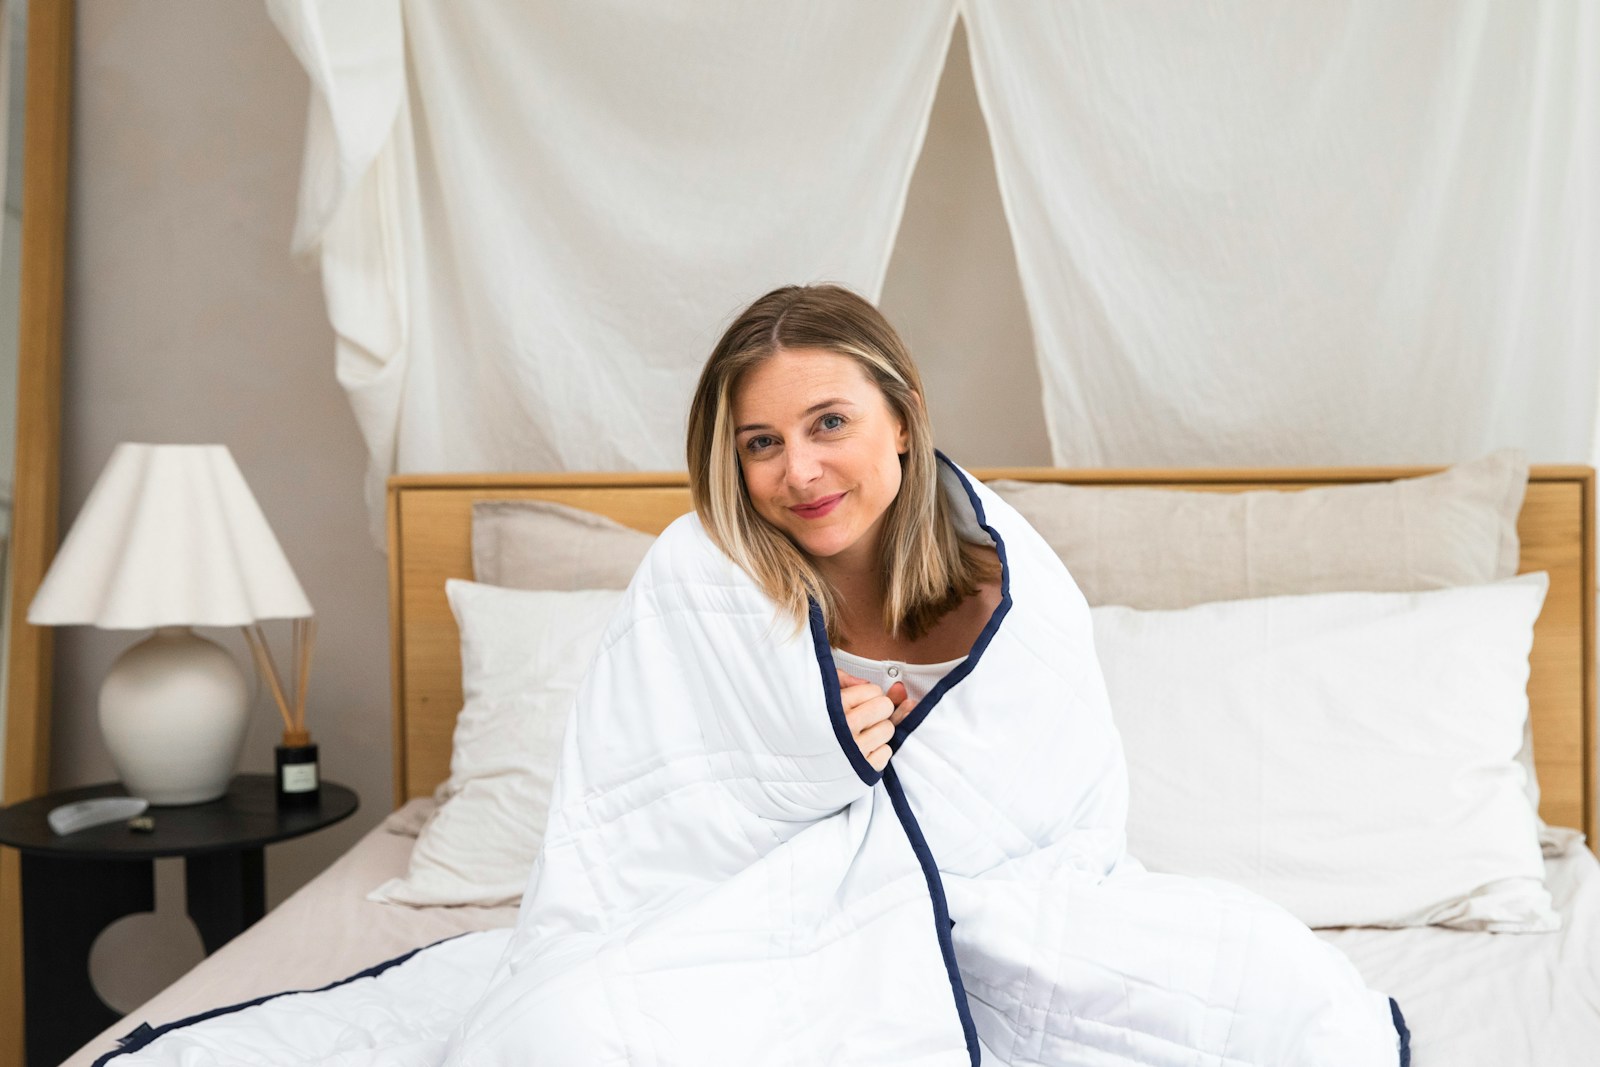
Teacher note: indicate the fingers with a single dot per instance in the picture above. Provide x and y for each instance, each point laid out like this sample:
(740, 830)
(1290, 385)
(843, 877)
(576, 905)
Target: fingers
(872, 715)
(872, 736)
(856, 698)
(902, 706)
(872, 710)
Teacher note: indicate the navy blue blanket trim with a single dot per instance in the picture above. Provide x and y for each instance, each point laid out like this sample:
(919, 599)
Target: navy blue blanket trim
(145, 1033)
(942, 923)
(934, 695)
(1404, 1032)
(830, 690)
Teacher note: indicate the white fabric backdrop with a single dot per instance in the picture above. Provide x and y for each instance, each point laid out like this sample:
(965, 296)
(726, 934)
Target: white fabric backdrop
(534, 219)
(1248, 234)
(1341, 232)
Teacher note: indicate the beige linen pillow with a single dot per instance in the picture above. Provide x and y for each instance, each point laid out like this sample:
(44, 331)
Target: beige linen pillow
(534, 544)
(1163, 548)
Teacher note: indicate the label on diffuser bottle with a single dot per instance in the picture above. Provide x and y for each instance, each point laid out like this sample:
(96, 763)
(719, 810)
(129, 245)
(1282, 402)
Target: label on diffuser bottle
(299, 777)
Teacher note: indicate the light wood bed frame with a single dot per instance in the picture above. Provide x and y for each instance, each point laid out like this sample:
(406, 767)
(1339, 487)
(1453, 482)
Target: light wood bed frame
(430, 541)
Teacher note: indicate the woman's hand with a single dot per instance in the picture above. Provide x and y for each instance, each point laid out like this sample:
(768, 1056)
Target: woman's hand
(902, 706)
(872, 715)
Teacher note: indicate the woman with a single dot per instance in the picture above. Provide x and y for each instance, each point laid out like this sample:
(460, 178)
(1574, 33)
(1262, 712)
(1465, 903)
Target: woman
(811, 464)
(755, 855)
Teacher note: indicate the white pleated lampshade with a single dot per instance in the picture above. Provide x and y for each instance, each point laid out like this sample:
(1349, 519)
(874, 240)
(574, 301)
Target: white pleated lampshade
(170, 536)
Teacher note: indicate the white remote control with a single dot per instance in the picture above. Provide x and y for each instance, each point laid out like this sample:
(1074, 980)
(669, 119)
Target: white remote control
(70, 818)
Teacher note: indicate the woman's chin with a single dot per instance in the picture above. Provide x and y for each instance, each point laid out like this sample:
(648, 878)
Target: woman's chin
(819, 545)
(817, 548)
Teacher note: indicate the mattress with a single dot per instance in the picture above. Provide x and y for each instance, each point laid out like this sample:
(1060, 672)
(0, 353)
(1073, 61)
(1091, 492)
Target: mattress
(1470, 999)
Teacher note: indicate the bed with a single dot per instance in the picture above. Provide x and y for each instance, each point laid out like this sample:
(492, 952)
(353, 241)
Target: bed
(1470, 997)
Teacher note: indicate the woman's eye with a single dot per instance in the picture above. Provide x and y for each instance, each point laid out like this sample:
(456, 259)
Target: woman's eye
(831, 422)
(758, 443)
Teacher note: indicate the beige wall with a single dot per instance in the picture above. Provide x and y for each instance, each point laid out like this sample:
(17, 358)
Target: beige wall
(953, 290)
(186, 322)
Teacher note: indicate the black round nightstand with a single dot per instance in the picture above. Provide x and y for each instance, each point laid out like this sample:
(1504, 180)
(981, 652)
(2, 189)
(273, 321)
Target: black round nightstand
(74, 886)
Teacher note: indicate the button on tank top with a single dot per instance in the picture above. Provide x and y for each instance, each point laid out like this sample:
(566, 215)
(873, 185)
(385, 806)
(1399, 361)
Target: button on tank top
(918, 678)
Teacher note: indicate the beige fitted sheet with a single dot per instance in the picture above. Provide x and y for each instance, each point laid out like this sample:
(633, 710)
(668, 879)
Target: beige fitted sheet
(326, 931)
(1470, 999)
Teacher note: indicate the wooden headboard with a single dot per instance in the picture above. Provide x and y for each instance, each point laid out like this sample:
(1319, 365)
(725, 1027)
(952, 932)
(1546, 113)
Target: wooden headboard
(430, 541)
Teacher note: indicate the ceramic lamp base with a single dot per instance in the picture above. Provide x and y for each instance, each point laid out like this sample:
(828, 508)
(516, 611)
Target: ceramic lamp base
(173, 713)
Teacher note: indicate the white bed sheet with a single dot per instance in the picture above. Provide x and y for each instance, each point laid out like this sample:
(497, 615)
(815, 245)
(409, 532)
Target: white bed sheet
(1470, 999)
(1498, 1000)
(326, 931)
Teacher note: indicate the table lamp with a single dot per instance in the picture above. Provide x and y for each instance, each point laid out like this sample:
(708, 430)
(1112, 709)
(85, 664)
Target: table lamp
(170, 538)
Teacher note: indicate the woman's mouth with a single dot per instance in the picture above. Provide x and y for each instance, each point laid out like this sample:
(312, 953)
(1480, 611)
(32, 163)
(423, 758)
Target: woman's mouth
(817, 508)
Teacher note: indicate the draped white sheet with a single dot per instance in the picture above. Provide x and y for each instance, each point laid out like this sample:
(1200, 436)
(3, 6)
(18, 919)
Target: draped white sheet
(1253, 233)
(534, 219)
(1260, 233)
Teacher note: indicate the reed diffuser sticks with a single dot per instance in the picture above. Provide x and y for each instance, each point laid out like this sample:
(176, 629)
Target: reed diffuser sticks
(302, 641)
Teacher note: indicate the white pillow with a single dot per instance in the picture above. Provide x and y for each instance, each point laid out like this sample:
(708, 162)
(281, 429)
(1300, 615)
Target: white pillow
(523, 653)
(1351, 756)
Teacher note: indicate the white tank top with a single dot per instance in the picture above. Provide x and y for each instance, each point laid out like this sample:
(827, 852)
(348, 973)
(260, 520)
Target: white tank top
(917, 677)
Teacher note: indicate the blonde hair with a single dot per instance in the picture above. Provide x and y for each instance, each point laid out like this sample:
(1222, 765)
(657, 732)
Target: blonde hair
(926, 568)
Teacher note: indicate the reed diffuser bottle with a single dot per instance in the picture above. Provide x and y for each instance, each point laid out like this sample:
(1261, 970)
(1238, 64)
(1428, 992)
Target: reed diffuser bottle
(299, 781)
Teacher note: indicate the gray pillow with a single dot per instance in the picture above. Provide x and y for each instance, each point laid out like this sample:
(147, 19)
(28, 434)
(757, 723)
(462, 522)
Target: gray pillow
(1163, 548)
(534, 544)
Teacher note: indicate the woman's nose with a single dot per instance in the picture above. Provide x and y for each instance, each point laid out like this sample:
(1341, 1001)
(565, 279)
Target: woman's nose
(804, 464)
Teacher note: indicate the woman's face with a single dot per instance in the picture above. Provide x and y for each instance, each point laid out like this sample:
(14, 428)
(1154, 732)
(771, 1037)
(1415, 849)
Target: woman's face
(820, 449)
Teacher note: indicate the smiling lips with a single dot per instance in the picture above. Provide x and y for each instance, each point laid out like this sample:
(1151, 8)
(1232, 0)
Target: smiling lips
(817, 508)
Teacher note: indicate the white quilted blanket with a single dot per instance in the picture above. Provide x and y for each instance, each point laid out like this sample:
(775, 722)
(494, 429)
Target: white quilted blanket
(726, 881)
